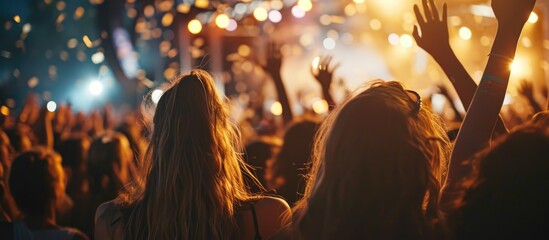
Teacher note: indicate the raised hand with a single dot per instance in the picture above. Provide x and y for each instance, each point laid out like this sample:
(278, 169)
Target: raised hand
(273, 66)
(273, 63)
(434, 36)
(512, 14)
(325, 72)
(526, 89)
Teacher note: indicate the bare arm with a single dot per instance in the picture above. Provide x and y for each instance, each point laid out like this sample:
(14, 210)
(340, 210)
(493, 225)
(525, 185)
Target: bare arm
(273, 67)
(434, 39)
(483, 112)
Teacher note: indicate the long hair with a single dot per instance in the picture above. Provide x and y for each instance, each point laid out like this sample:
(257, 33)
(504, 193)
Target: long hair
(191, 182)
(377, 169)
(506, 196)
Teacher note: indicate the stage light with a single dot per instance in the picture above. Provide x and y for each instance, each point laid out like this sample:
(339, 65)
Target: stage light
(98, 57)
(315, 63)
(437, 102)
(222, 21)
(275, 16)
(406, 40)
(394, 39)
(95, 88)
(298, 12)
(465, 33)
(305, 5)
(375, 24)
(276, 108)
(261, 14)
(51, 106)
(508, 99)
(233, 25)
(329, 43)
(194, 26)
(320, 106)
(156, 95)
(533, 18)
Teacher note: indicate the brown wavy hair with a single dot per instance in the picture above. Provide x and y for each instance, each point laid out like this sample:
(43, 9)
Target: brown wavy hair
(191, 179)
(377, 170)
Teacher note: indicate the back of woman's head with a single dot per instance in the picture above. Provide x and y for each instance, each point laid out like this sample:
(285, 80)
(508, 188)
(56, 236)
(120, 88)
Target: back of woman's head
(291, 162)
(36, 181)
(191, 177)
(507, 196)
(379, 161)
(109, 163)
(74, 151)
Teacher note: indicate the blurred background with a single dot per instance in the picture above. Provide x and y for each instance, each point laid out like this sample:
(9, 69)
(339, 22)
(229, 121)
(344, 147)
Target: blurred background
(87, 53)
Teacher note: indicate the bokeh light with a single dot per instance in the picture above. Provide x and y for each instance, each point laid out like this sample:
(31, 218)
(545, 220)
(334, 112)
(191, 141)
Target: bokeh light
(194, 26)
(95, 88)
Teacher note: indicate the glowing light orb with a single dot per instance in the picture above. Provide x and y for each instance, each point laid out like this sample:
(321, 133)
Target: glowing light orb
(95, 88)
(51, 106)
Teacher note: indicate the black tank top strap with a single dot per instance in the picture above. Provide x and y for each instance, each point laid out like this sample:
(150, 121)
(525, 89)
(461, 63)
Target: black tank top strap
(257, 234)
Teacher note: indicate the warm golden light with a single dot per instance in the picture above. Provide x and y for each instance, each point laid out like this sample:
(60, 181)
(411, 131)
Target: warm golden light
(320, 106)
(465, 33)
(222, 20)
(375, 24)
(244, 50)
(167, 19)
(533, 18)
(5, 110)
(394, 39)
(298, 12)
(306, 5)
(201, 3)
(87, 41)
(17, 19)
(276, 108)
(315, 63)
(194, 26)
(261, 14)
(406, 40)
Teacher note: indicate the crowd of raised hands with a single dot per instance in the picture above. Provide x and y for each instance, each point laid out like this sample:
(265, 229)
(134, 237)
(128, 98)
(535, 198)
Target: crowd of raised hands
(380, 165)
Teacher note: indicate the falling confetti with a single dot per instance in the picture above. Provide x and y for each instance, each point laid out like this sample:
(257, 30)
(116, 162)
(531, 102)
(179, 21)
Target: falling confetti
(17, 19)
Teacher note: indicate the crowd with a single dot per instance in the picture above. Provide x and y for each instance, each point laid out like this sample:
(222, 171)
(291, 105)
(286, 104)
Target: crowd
(380, 165)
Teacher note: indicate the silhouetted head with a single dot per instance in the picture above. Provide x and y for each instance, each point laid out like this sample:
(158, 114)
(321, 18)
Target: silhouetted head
(74, 151)
(378, 164)
(109, 164)
(191, 179)
(19, 139)
(506, 197)
(256, 154)
(37, 181)
(292, 161)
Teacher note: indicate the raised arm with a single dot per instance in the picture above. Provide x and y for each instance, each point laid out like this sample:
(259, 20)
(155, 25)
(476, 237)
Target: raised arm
(273, 67)
(483, 112)
(324, 75)
(434, 39)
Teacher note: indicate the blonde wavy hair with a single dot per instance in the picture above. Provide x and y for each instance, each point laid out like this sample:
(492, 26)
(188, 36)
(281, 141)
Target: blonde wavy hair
(378, 167)
(191, 179)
